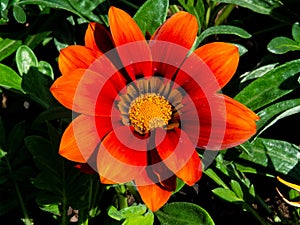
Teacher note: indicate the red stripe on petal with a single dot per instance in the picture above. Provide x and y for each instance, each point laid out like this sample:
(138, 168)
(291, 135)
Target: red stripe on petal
(98, 38)
(135, 56)
(178, 154)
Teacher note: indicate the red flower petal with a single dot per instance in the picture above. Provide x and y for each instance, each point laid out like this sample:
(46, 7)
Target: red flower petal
(82, 93)
(98, 38)
(174, 39)
(152, 194)
(222, 58)
(159, 173)
(121, 155)
(224, 122)
(136, 57)
(75, 57)
(179, 155)
(79, 139)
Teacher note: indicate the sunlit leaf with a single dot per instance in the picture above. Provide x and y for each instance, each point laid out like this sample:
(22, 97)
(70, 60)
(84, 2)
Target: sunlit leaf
(273, 85)
(280, 156)
(227, 195)
(147, 219)
(281, 45)
(46, 69)
(273, 110)
(25, 59)
(148, 19)
(19, 14)
(259, 72)
(9, 78)
(223, 29)
(182, 213)
(296, 32)
(58, 4)
(260, 6)
(286, 113)
(8, 46)
(236, 187)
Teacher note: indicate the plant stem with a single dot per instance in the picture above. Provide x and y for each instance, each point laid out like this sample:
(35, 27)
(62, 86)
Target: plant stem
(255, 214)
(174, 9)
(122, 199)
(26, 219)
(64, 214)
(224, 14)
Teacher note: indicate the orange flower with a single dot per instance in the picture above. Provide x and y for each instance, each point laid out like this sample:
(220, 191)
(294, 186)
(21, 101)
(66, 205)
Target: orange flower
(144, 106)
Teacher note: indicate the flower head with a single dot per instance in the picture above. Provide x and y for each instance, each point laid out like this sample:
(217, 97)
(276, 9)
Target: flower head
(144, 106)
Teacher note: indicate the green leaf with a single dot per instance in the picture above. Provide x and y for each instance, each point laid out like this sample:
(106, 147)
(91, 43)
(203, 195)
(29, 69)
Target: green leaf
(227, 195)
(222, 29)
(19, 14)
(36, 85)
(52, 113)
(236, 187)
(46, 69)
(2, 153)
(286, 113)
(280, 156)
(147, 219)
(259, 6)
(25, 59)
(296, 32)
(268, 113)
(212, 175)
(58, 4)
(132, 211)
(273, 85)
(151, 15)
(182, 213)
(281, 45)
(8, 46)
(9, 78)
(84, 6)
(259, 72)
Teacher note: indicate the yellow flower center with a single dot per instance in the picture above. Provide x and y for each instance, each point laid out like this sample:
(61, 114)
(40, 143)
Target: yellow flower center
(148, 112)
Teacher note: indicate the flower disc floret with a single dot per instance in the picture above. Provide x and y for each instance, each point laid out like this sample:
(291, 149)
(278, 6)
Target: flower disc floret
(149, 111)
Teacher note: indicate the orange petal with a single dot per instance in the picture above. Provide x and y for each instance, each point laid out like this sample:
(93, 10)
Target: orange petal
(171, 42)
(74, 57)
(136, 56)
(98, 38)
(178, 153)
(179, 29)
(86, 92)
(79, 139)
(121, 155)
(224, 122)
(152, 194)
(222, 58)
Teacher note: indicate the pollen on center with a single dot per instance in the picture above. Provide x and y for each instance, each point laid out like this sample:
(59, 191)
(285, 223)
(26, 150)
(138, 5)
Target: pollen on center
(149, 111)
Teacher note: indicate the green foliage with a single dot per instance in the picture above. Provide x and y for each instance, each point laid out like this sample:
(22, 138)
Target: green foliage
(35, 180)
(149, 20)
(181, 213)
(136, 214)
